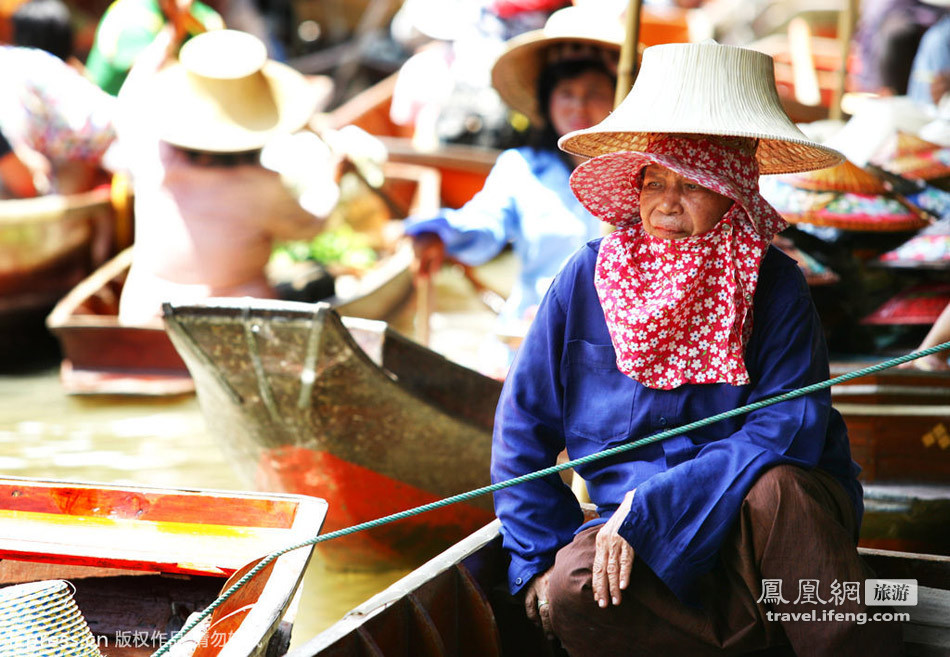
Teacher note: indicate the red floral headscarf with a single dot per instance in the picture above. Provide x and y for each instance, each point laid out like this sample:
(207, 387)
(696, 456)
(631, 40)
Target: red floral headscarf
(679, 311)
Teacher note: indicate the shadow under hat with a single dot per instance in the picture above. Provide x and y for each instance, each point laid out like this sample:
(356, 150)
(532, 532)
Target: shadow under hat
(224, 95)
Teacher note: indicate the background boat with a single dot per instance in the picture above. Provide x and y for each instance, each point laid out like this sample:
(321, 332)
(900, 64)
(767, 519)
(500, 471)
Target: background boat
(348, 410)
(899, 426)
(458, 604)
(142, 559)
(103, 357)
(47, 245)
(374, 292)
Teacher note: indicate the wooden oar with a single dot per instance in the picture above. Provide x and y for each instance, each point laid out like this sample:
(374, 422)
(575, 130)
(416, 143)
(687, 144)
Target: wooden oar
(807, 91)
(425, 303)
(845, 30)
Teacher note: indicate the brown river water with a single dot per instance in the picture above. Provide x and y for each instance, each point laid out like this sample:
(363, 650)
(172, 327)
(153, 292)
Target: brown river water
(46, 433)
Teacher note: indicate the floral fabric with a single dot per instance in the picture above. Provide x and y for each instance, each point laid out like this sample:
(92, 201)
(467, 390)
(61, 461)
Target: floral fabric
(679, 311)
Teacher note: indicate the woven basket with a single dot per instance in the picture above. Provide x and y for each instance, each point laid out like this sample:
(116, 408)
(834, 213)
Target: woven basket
(41, 619)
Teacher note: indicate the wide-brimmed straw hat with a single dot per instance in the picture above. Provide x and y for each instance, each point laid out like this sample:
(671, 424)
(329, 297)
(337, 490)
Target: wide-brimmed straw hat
(224, 95)
(844, 197)
(918, 304)
(578, 32)
(705, 89)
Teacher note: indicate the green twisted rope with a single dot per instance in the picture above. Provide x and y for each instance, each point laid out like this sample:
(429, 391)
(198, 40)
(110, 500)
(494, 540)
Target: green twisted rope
(538, 474)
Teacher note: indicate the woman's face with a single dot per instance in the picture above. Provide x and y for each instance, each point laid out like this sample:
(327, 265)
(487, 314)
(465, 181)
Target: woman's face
(673, 207)
(581, 101)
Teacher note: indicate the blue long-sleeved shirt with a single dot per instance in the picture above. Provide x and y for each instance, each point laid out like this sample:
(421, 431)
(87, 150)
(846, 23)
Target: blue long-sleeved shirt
(564, 390)
(528, 202)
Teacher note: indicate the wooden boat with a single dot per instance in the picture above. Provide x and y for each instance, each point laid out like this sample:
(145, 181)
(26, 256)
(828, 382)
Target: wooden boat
(101, 356)
(457, 604)
(898, 422)
(377, 292)
(46, 247)
(348, 410)
(899, 426)
(143, 559)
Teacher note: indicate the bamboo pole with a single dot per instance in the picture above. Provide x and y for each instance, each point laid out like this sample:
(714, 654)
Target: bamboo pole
(627, 67)
(846, 19)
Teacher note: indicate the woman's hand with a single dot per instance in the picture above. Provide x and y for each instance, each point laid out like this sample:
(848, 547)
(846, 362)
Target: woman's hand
(429, 254)
(536, 603)
(613, 557)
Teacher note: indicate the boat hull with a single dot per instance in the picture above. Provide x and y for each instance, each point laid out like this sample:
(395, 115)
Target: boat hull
(142, 559)
(102, 356)
(354, 412)
(898, 423)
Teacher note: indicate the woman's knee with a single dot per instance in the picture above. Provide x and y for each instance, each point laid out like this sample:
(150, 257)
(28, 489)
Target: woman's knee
(569, 580)
(776, 484)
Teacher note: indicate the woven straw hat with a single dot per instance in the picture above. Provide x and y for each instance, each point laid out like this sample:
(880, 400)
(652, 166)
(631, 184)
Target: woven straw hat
(571, 31)
(918, 304)
(705, 89)
(224, 95)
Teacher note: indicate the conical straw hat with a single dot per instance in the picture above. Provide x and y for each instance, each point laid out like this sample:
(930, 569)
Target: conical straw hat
(845, 210)
(705, 89)
(928, 249)
(918, 304)
(846, 177)
(224, 95)
(584, 28)
(912, 157)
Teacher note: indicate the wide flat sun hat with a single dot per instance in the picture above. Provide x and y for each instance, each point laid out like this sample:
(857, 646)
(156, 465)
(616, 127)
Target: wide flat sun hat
(577, 30)
(845, 197)
(224, 95)
(705, 89)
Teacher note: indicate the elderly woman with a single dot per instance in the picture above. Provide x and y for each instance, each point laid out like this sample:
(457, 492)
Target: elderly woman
(682, 313)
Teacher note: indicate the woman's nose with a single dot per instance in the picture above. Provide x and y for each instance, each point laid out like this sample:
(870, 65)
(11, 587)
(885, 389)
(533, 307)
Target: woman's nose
(670, 200)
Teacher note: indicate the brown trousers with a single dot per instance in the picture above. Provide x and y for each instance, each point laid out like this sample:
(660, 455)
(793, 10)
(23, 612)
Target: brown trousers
(794, 525)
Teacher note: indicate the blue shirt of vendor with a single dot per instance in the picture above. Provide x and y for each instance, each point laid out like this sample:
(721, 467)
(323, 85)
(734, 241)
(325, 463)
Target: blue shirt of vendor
(564, 390)
(528, 202)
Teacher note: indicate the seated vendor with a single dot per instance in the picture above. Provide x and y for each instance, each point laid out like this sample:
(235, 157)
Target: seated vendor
(707, 541)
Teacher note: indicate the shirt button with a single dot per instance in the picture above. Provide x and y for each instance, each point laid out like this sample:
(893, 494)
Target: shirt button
(518, 581)
(662, 421)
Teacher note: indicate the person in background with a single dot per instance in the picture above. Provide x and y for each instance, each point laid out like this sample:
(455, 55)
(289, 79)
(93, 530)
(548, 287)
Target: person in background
(46, 25)
(15, 175)
(59, 124)
(886, 40)
(930, 74)
(127, 28)
(206, 139)
(706, 542)
(562, 78)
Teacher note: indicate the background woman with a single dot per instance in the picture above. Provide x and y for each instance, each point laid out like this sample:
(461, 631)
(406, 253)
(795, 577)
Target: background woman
(562, 78)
